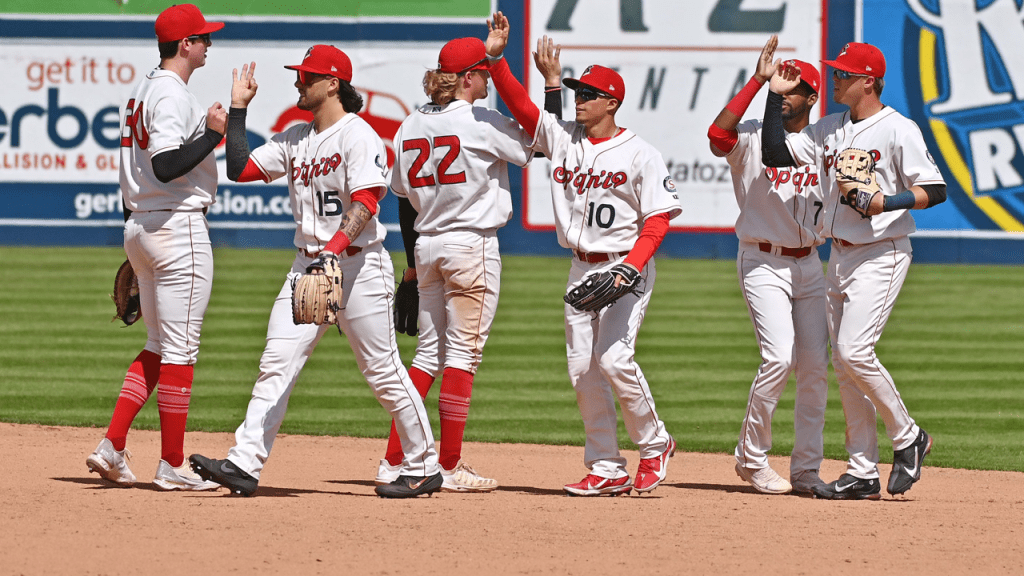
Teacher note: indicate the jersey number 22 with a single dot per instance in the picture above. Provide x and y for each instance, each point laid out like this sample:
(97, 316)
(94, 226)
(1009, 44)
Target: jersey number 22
(424, 147)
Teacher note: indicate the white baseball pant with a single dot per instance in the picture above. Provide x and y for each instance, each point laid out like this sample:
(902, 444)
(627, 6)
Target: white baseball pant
(863, 283)
(786, 300)
(173, 259)
(600, 348)
(459, 278)
(365, 318)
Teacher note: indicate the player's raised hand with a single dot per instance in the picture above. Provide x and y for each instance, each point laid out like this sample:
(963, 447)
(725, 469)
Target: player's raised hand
(765, 65)
(243, 86)
(497, 35)
(217, 118)
(785, 79)
(546, 59)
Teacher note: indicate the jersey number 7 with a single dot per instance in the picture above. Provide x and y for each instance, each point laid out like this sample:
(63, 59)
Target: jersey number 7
(423, 145)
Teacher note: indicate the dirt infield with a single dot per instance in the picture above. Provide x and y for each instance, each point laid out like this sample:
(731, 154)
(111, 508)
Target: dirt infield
(315, 513)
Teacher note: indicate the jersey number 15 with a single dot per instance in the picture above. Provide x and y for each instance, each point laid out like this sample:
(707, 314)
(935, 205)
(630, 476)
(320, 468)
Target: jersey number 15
(424, 147)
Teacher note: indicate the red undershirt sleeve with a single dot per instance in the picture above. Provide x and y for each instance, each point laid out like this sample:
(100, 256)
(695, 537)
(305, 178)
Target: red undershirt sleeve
(651, 235)
(252, 173)
(515, 97)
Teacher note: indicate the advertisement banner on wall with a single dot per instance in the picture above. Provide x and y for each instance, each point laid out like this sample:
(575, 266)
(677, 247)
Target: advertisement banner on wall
(681, 63)
(957, 71)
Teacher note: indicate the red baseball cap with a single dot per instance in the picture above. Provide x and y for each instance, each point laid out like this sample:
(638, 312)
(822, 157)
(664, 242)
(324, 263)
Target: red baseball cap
(327, 60)
(601, 78)
(808, 73)
(462, 55)
(181, 21)
(858, 58)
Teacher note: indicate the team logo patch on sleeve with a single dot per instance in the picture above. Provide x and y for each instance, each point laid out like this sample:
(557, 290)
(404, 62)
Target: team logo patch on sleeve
(670, 186)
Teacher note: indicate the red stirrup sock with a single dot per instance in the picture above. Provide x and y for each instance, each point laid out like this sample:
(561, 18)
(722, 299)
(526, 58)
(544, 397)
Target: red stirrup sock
(422, 381)
(172, 397)
(456, 388)
(139, 383)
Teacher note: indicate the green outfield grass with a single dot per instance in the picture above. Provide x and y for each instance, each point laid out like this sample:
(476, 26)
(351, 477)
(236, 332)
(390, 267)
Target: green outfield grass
(955, 345)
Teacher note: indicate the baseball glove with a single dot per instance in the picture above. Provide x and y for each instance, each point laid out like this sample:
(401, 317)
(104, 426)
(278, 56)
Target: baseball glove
(316, 298)
(598, 290)
(126, 295)
(407, 307)
(855, 174)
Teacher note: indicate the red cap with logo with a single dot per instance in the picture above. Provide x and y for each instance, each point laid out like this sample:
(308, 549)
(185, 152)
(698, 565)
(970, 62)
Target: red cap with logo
(181, 21)
(808, 73)
(858, 58)
(326, 60)
(462, 55)
(603, 79)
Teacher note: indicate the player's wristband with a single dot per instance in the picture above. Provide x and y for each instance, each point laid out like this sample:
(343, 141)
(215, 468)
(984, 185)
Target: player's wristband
(552, 88)
(493, 59)
(903, 201)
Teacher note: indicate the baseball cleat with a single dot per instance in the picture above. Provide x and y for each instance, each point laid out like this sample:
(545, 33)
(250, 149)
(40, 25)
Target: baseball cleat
(464, 479)
(180, 478)
(804, 481)
(225, 473)
(764, 480)
(849, 487)
(653, 470)
(386, 473)
(410, 486)
(906, 464)
(110, 464)
(594, 485)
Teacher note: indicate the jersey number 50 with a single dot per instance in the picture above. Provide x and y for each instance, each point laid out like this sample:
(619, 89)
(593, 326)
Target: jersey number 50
(133, 126)
(424, 147)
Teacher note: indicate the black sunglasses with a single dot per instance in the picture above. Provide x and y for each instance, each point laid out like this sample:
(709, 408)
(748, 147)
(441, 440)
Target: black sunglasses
(844, 75)
(204, 38)
(586, 94)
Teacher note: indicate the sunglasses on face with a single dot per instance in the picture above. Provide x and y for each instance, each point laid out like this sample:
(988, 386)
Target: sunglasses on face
(586, 94)
(204, 38)
(307, 78)
(844, 75)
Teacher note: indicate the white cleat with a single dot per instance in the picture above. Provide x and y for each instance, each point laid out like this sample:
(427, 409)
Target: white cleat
(386, 473)
(764, 480)
(464, 479)
(110, 464)
(180, 478)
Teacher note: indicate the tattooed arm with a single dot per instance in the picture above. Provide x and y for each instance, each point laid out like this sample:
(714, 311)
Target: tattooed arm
(364, 206)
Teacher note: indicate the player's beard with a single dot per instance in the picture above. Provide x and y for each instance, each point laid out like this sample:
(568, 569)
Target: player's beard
(309, 101)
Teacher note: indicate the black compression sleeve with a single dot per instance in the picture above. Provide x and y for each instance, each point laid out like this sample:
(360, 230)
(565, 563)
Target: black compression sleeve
(176, 163)
(936, 193)
(774, 151)
(553, 100)
(407, 220)
(237, 147)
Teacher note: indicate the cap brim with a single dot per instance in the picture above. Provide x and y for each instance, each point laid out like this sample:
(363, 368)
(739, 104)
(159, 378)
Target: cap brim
(210, 27)
(835, 64)
(574, 83)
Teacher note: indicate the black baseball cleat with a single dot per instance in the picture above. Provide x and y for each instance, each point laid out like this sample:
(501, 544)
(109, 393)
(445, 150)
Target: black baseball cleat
(906, 464)
(225, 473)
(849, 487)
(410, 486)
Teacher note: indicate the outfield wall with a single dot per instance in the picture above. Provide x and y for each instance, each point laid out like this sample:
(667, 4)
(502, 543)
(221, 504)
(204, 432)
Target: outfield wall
(66, 77)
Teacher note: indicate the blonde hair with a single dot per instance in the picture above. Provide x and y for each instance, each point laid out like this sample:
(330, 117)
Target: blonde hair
(440, 86)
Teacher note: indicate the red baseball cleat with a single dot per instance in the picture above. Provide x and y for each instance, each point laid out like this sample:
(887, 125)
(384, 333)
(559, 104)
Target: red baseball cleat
(653, 470)
(594, 485)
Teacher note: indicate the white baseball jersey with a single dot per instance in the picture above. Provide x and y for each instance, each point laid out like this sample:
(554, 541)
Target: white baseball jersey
(323, 171)
(781, 206)
(451, 163)
(901, 158)
(602, 193)
(162, 115)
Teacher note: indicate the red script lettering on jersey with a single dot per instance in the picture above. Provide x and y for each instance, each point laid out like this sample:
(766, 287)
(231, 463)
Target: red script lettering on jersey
(305, 172)
(785, 175)
(583, 181)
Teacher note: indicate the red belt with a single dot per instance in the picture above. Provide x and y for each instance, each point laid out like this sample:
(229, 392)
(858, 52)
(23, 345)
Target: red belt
(842, 242)
(792, 252)
(596, 257)
(350, 251)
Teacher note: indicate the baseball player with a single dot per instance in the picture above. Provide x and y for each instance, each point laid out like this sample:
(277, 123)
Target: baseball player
(779, 227)
(870, 256)
(335, 168)
(613, 199)
(168, 179)
(451, 178)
